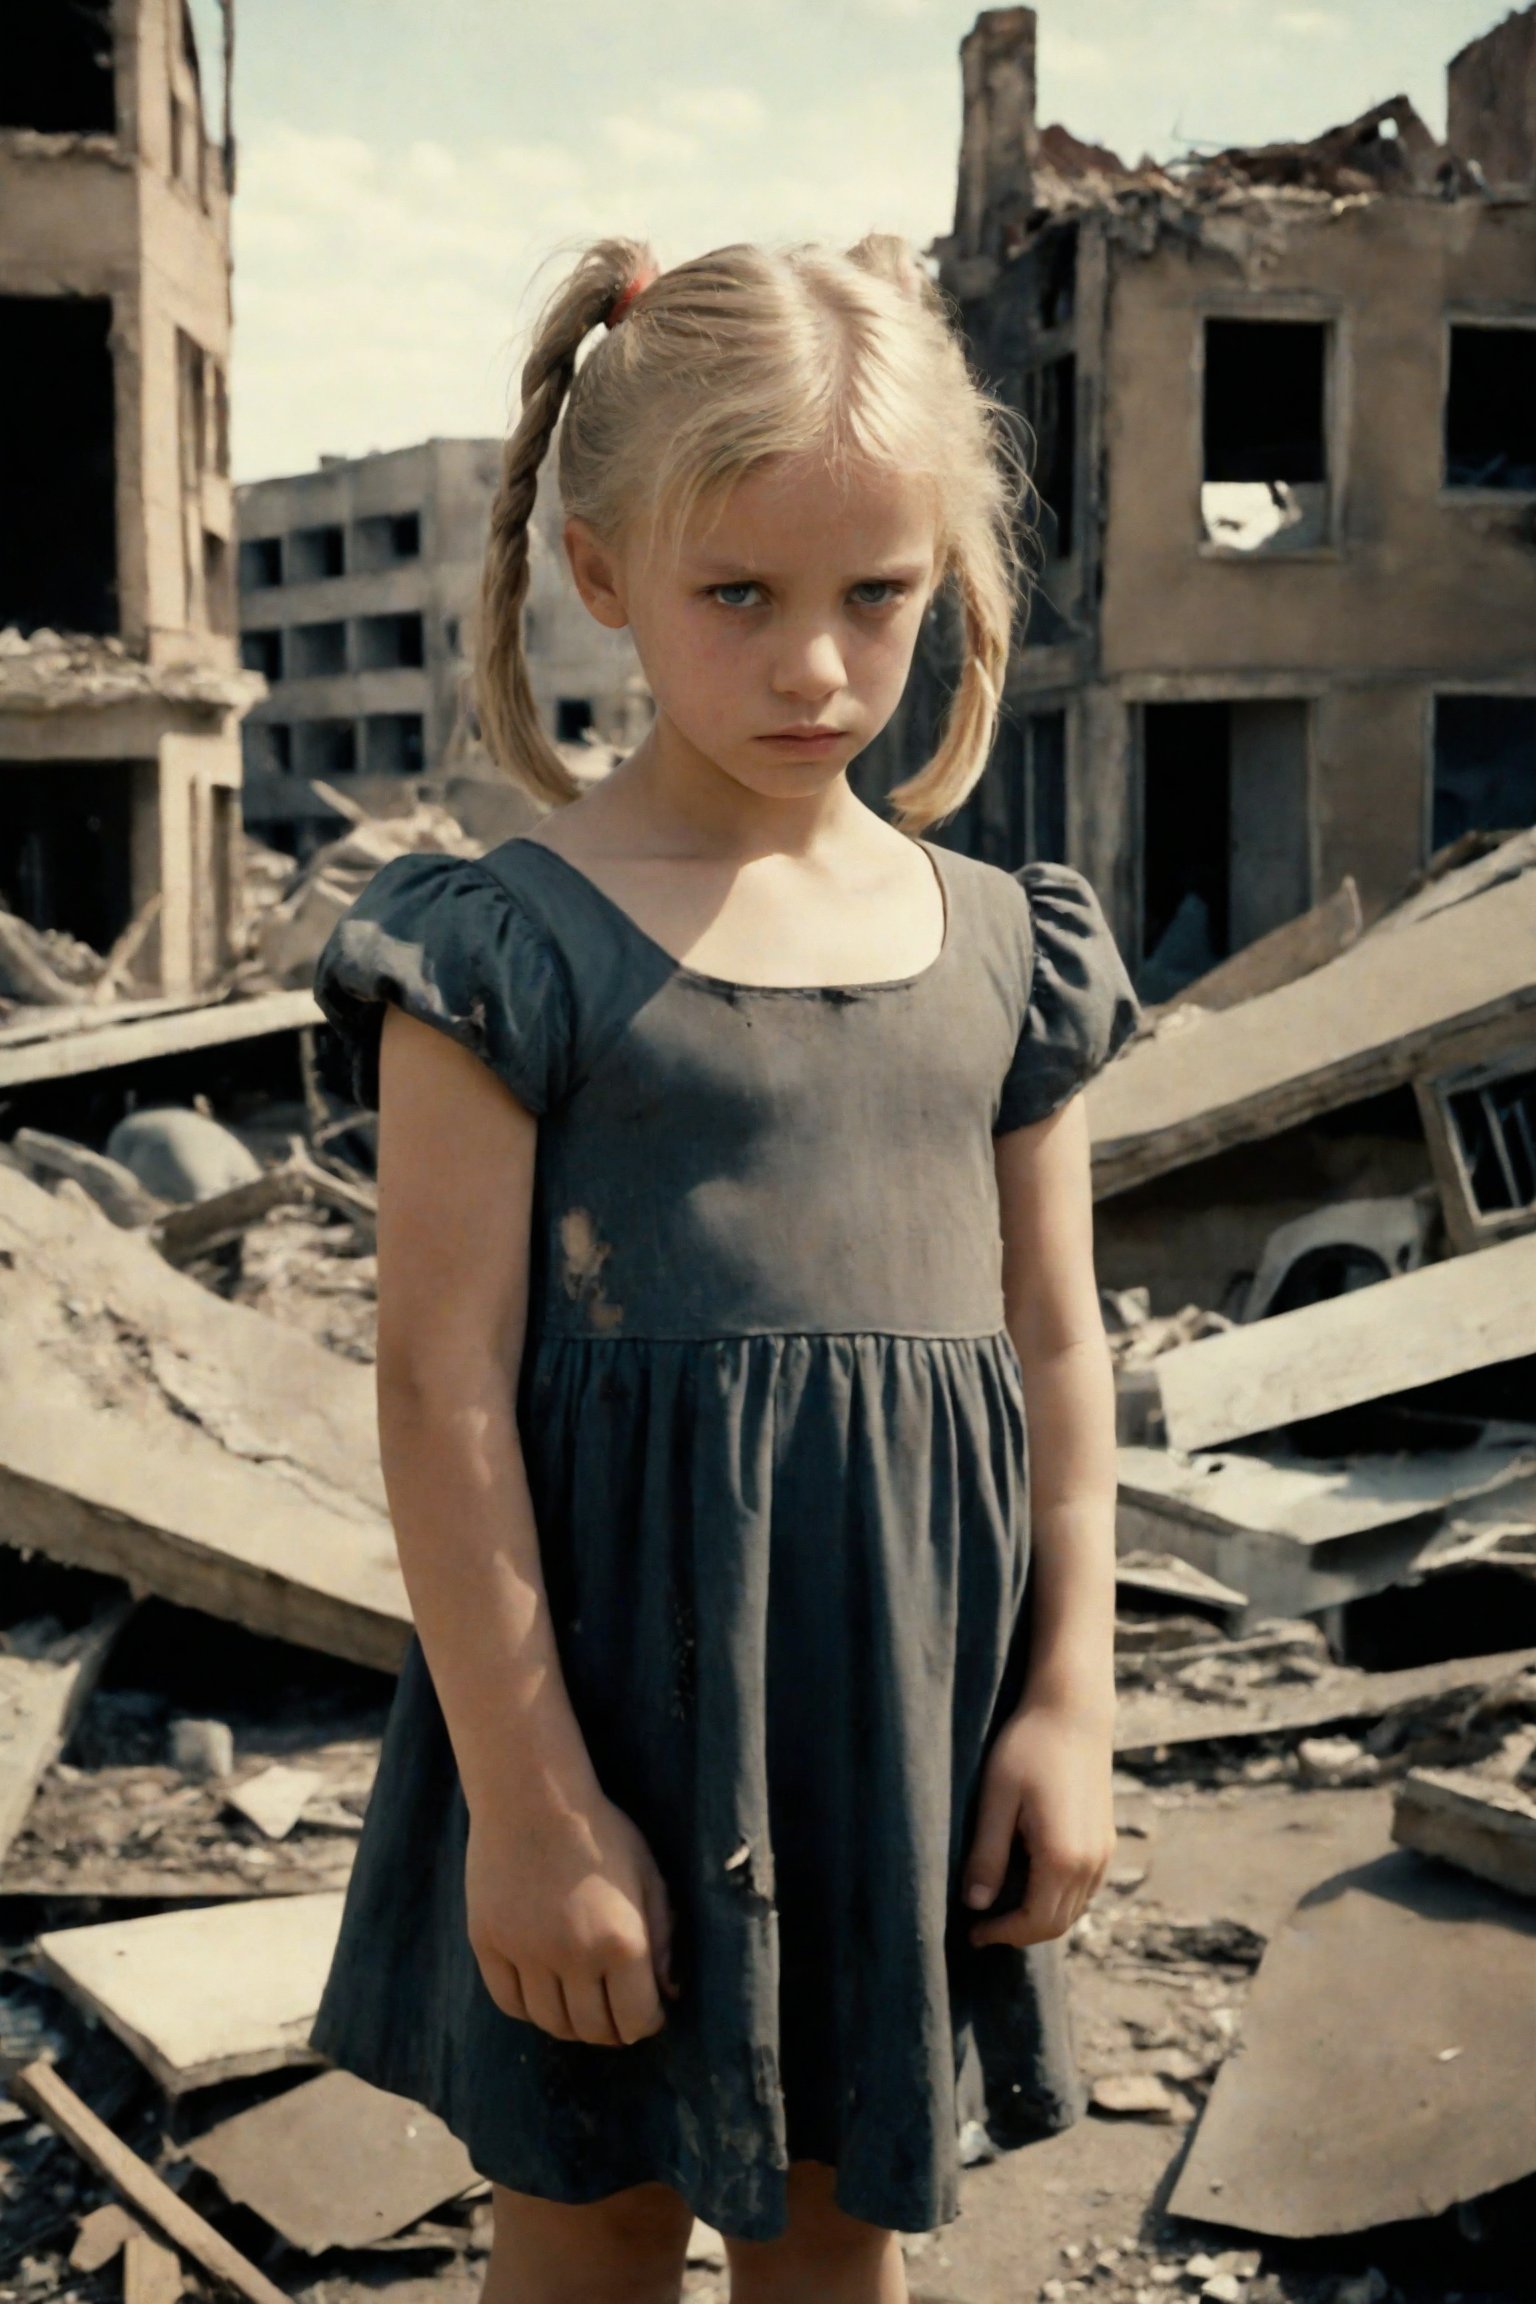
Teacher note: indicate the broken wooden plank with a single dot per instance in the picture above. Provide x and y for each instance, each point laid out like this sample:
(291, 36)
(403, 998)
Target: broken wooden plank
(1370, 1020)
(39, 2087)
(1288, 952)
(1486, 1827)
(1469, 1312)
(1384, 2070)
(216, 1024)
(1142, 1722)
(336, 2163)
(216, 1993)
(1299, 1534)
(43, 1689)
(115, 1189)
(186, 1233)
(153, 1431)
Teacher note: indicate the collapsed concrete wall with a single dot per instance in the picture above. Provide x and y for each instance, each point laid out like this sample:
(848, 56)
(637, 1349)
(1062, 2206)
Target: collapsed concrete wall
(1281, 413)
(1492, 102)
(117, 798)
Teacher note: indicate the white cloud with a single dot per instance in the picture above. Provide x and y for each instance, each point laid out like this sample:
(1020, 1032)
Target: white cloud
(636, 139)
(716, 111)
(1062, 56)
(382, 296)
(1311, 24)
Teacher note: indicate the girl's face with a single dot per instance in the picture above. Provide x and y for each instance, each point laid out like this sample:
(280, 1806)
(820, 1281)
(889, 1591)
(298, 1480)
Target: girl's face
(777, 641)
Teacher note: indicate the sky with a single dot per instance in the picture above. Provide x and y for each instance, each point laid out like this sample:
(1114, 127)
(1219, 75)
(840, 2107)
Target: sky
(411, 176)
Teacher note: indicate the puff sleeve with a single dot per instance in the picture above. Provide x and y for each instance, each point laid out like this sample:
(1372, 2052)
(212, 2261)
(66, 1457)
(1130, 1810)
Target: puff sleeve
(442, 938)
(1081, 1005)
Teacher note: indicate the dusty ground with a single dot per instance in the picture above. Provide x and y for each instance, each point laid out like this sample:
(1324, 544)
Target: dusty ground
(1077, 2220)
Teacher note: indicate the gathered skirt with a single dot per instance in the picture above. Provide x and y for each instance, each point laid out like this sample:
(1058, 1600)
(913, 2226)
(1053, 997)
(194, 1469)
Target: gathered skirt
(788, 1578)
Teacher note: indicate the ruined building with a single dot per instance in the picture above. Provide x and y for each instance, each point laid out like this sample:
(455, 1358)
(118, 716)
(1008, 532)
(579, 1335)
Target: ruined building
(1283, 404)
(120, 691)
(358, 584)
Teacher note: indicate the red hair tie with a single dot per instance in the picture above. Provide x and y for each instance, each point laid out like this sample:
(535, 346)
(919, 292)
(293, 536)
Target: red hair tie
(626, 296)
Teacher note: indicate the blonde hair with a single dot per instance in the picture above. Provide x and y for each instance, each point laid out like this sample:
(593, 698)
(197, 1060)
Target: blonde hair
(706, 372)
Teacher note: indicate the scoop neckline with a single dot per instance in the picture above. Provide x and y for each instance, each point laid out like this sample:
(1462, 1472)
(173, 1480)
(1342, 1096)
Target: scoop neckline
(733, 984)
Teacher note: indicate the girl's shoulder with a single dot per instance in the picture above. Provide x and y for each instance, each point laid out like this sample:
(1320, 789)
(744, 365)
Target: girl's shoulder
(456, 943)
(1042, 933)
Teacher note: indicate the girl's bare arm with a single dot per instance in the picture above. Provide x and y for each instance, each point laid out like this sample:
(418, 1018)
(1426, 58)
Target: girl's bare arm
(567, 1912)
(1048, 1775)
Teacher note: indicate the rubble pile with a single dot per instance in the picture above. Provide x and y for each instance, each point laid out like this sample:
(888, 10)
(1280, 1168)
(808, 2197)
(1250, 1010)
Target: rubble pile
(1325, 1648)
(47, 671)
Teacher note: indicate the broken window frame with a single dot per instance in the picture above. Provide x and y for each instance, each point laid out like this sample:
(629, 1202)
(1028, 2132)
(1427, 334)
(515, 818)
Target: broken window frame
(1468, 1224)
(1312, 312)
(1460, 318)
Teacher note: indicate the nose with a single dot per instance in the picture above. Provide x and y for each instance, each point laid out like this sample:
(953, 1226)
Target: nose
(809, 665)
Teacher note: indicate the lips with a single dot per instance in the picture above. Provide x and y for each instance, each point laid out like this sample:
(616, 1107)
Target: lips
(805, 736)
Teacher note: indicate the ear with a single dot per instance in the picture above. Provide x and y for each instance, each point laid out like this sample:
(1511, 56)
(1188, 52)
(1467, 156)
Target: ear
(597, 574)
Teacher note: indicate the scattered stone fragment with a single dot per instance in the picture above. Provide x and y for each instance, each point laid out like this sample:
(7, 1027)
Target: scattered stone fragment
(1335, 1761)
(101, 2234)
(1136, 2095)
(274, 1800)
(202, 1749)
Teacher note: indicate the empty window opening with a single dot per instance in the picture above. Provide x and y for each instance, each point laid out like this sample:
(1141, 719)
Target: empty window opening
(1050, 410)
(317, 651)
(315, 554)
(573, 717)
(218, 582)
(1016, 813)
(1225, 842)
(389, 643)
(1058, 275)
(262, 652)
(394, 744)
(1490, 409)
(261, 563)
(192, 387)
(1046, 766)
(1264, 485)
(266, 747)
(384, 539)
(1485, 765)
(1494, 1120)
(65, 843)
(58, 71)
(220, 419)
(325, 748)
(58, 464)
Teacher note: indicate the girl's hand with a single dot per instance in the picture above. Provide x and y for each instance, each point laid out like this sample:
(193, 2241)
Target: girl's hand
(1047, 1779)
(570, 1922)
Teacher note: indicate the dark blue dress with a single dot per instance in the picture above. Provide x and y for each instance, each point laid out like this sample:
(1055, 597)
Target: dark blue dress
(774, 1427)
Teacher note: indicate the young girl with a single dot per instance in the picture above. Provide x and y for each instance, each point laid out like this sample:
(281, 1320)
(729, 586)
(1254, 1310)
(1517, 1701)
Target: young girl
(751, 1756)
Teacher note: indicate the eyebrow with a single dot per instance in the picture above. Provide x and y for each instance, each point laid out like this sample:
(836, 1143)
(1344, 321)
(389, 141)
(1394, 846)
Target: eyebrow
(737, 572)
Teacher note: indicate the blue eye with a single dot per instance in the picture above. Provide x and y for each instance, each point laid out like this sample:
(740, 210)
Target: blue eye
(731, 595)
(885, 589)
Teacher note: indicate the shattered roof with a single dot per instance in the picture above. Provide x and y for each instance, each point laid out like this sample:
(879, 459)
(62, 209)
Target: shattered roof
(1387, 150)
(47, 671)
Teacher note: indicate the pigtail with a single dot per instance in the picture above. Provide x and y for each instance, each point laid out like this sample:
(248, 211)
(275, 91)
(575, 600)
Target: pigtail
(598, 290)
(984, 582)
